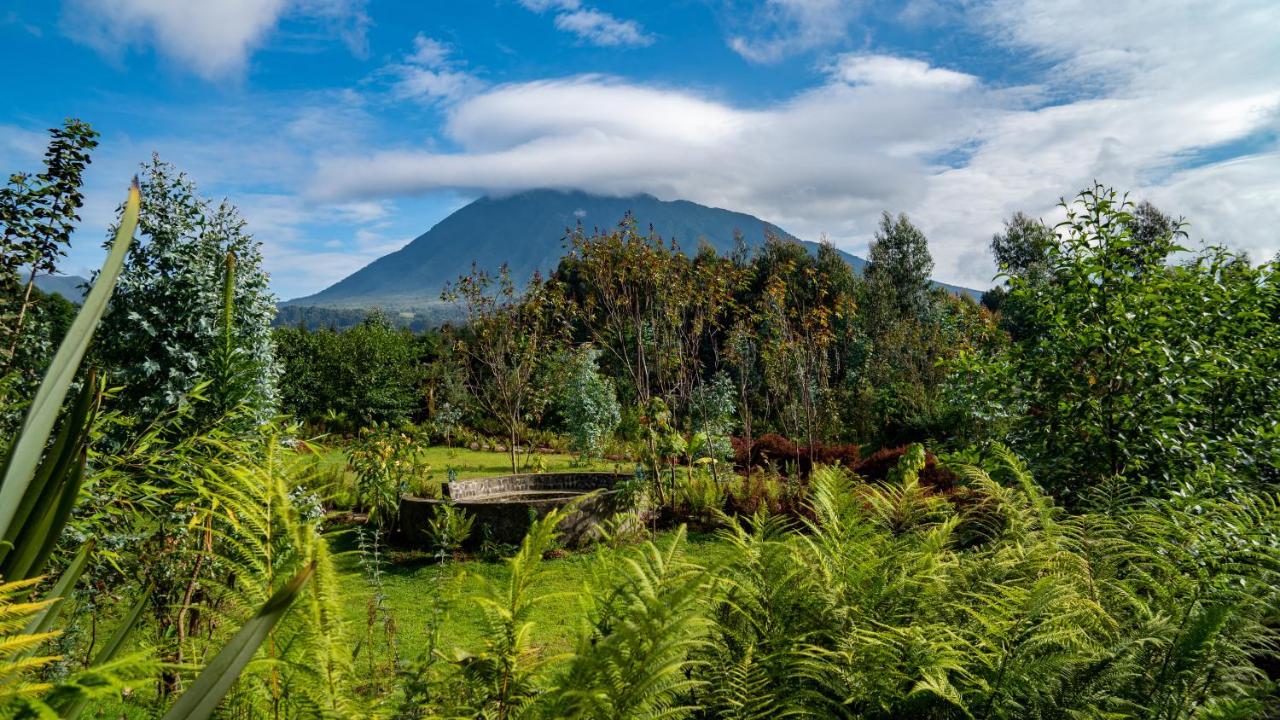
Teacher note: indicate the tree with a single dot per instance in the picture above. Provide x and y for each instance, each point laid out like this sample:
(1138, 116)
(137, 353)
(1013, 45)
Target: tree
(1021, 251)
(795, 307)
(1140, 369)
(648, 307)
(898, 270)
(38, 215)
(588, 404)
(1022, 248)
(1154, 235)
(507, 338)
(165, 326)
(365, 375)
(711, 420)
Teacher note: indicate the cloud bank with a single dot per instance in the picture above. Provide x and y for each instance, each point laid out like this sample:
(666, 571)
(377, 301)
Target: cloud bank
(1150, 102)
(213, 38)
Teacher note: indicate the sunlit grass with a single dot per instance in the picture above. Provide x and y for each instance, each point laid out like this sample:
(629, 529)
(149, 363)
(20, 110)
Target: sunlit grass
(437, 461)
(412, 588)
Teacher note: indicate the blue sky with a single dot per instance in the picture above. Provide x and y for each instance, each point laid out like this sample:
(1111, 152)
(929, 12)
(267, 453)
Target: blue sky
(344, 128)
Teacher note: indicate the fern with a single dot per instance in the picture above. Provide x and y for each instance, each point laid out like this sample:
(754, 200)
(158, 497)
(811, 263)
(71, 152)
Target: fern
(634, 661)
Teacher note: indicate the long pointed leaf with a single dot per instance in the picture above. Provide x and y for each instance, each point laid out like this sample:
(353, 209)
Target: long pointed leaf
(202, 698)
(44, 620)
(36, 539)
(46, 486)
(24, 458)
(51, 529)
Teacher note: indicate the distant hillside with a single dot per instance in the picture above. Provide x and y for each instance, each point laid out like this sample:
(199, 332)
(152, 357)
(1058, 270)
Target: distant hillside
(68, 286)
(527, 232)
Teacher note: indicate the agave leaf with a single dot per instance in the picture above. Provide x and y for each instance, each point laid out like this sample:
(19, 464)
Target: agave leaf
(24, 458)
(56, 487)
(50, 529)
(202, 698)
(44, 620)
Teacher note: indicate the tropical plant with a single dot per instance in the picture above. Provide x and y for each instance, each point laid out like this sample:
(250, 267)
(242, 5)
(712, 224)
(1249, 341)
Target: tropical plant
(165, 325)
(385, 460)
(588, 404)
(37, 494)
(448, 528)
(1139, 368)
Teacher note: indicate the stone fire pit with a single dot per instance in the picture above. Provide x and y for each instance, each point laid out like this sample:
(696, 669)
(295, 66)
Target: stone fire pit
(507, 505)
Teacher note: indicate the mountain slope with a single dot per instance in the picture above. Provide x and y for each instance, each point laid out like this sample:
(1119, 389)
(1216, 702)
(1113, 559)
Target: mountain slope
(68, 286)
(527, 232)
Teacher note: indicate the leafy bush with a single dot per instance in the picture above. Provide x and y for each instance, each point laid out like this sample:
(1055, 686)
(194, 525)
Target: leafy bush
(165, 326)
(449, 527)
(385, 461)
(1136, 367)
(351, 379)
(775, 449)
(588, 404)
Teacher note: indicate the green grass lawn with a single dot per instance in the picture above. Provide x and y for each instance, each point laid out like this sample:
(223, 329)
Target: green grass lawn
(410, 588)
(438, 460)
(412, 583)
(478, 463)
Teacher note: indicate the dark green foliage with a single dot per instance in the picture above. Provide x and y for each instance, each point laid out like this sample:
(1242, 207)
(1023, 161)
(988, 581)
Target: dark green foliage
(367, 374)
(1022, 248)
(898, 270)
(38, 213)
(165, 325)
(1139, 368)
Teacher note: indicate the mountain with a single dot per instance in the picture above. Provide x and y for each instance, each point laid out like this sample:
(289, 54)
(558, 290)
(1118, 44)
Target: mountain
(527, 232)
(68, 286)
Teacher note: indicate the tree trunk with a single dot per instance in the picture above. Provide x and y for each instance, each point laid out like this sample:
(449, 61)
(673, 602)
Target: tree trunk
(22, 314)
(512, 450)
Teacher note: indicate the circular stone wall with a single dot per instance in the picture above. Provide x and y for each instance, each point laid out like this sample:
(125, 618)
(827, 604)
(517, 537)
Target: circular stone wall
(504, 507)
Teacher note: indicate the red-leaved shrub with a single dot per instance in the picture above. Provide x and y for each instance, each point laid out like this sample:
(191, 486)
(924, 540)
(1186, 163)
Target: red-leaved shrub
(785, 454)
(876, 467)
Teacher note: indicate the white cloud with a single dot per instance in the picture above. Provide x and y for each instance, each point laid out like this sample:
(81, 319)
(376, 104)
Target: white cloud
(601, 28)
(545, 5)
(827, 160)
(781, 28)
(430, 74)
(862, 69)
(428, 52)
(591, 25)
(213, 38)
(21, 147)
(1127, 98)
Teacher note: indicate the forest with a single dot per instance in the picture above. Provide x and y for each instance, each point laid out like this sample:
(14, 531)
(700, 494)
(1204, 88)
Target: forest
(849, 495)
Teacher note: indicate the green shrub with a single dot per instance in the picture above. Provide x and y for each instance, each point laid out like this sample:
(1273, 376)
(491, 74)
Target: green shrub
(449, 528)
